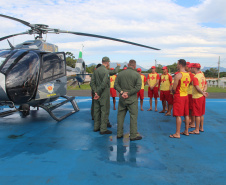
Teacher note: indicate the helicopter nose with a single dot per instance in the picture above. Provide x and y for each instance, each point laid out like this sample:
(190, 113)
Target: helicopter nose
(3, 94)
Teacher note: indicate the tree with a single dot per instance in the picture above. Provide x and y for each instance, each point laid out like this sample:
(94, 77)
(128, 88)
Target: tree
(172, 68)
(90, 69)
(70, 59)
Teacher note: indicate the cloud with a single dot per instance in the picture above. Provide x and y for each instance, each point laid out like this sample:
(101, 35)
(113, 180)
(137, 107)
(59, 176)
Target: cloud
(163, 24)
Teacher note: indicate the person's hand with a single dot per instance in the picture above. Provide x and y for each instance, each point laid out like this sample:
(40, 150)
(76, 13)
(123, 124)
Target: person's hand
(151, 87)
(125, 95)
(206, 94)
(118, 65)
(96, 97)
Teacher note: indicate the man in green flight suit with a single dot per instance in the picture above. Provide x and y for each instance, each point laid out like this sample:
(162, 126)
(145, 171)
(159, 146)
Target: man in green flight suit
(100, 84)
(128, 83)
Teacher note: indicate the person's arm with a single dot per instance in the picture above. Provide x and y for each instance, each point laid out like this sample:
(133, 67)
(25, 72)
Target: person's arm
(93, 83)
(205, 87)
(103, 84)
(176, 81)
(196, 85)
(117, 86)
(157, 80)
(136, 88)
(148, 80)
(115, 71)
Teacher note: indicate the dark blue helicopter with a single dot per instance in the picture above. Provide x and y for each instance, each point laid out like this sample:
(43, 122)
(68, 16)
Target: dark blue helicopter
(34, 73)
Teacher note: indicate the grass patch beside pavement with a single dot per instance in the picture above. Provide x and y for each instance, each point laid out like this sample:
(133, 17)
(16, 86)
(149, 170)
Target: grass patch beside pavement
(82, 87)
(216, 90)
(87, 87)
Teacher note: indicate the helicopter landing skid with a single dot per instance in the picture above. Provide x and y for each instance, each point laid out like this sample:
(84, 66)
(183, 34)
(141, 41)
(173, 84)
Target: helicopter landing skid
(49, 109)
(9, 112)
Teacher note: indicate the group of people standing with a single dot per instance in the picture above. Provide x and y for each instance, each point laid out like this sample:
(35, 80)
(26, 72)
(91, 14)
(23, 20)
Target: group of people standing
(184, 92)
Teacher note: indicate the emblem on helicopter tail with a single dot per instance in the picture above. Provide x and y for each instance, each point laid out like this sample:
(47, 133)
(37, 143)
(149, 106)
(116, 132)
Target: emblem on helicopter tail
(49, 87)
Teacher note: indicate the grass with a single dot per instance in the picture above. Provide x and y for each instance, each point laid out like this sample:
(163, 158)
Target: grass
(82, 87)
(87, 87)
(216, 90)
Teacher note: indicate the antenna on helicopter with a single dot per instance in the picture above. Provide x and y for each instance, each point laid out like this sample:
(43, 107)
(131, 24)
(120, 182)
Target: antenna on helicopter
(11, 46)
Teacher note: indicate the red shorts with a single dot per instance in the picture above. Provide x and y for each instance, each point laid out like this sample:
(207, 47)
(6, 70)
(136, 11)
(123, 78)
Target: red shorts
(153, 92)
(170, 99)
(190, 101)
(199, 105)
(164, 95)
(113, 92)
(180, 105)
(141, 94)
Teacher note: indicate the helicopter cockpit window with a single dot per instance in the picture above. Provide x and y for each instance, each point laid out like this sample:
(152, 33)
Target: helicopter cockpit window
(22, 79)
(12, 60)
(3, 56)
(53, 66)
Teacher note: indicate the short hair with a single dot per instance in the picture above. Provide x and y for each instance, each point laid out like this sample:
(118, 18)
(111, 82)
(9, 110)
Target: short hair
(182, 62)
(132, 62)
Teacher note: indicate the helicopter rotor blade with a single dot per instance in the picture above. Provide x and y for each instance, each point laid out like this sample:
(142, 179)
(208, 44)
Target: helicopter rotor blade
(108, 38)
(18, 20)
(6, 37)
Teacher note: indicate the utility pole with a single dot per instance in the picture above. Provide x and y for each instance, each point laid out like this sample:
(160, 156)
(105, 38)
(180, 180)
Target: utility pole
(155, 63)
(219, 72)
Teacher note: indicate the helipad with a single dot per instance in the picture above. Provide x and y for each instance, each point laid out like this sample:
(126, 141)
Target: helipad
(38, 150)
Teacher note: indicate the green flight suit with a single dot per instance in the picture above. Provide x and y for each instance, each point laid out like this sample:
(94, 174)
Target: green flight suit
(128, 81)
(100, 83)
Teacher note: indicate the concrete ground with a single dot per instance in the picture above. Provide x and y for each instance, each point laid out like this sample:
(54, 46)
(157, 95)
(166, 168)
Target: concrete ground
(38, 150)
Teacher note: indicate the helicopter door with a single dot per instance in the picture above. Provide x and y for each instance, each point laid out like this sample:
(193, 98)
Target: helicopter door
(22, 79)
(53, 76)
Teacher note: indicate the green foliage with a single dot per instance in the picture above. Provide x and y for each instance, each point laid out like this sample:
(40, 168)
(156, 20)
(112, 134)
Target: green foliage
(172, 68)
(70, 59)
(90, 69)
(158, 69)
(212, 72)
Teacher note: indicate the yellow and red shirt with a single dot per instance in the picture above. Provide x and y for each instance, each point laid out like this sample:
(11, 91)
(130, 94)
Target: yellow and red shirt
(190, 87)
(153, 77)
(183, 84)
(200, 80)
(143, 79)
(112, 81)
(165, 82)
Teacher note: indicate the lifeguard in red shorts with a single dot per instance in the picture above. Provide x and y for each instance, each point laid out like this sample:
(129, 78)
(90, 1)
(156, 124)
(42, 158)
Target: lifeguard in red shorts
(180, 104)
(165, 81)
(170, 98)
(153, 83)
(141, 92)
(112, 90)
(199, 95)
(190, 87)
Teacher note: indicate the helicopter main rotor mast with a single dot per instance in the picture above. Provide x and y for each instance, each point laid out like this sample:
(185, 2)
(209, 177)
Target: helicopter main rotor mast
(41, 29)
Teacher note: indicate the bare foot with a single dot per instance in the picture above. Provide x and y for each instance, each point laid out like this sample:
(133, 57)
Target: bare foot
(141, 109)
(194, 132)
(184, 133)
(191, 126)
(163, 111)
(149, 109)
(168, 114)
(174, 136)
(156, 110)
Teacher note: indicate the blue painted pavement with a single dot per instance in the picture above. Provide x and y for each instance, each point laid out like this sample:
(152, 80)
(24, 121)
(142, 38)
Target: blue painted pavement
(38, 150)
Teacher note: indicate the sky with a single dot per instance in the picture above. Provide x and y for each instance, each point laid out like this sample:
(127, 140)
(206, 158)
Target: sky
(190, 29)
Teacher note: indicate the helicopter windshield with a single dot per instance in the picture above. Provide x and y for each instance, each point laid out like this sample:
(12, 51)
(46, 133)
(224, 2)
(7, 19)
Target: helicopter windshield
(3, 55)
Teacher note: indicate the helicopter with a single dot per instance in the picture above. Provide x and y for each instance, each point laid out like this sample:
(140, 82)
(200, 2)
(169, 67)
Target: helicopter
(33, 73)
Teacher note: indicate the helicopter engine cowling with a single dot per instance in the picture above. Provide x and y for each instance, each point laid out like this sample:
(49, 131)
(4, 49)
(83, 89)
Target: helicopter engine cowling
(3, 94)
